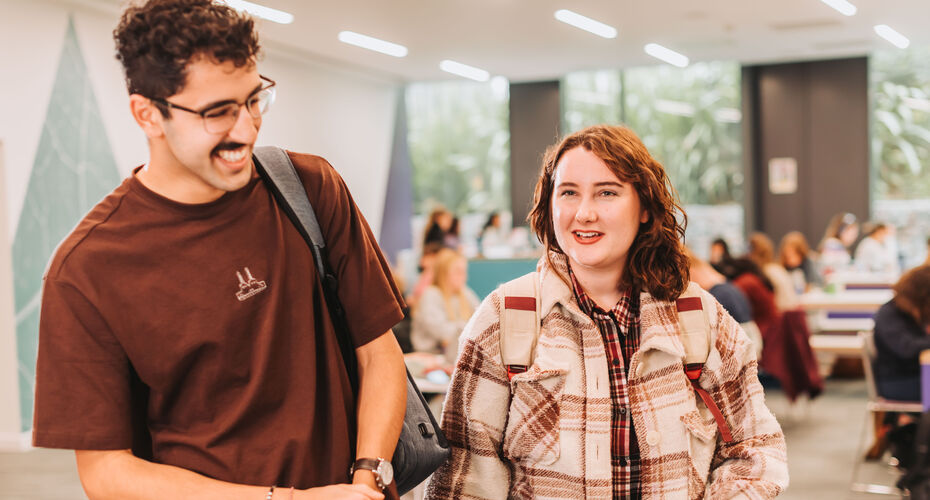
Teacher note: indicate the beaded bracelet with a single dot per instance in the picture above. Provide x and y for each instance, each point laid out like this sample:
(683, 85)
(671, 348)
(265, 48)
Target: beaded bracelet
(270, 493)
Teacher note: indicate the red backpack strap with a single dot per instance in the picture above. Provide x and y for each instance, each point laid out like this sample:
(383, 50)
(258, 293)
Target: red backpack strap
(695, 336)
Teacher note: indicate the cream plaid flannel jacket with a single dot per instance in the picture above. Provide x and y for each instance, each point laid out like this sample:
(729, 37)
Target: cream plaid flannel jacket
(546, 433)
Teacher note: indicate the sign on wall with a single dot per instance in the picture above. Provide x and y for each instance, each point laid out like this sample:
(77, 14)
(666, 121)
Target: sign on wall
(783, 175)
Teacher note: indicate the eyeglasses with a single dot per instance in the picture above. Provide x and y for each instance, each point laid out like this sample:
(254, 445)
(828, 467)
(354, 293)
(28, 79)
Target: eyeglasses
(221, 117)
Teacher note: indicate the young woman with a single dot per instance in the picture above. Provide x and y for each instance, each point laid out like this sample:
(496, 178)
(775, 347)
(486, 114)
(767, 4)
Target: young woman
(795, 254)
(444, 307)
(901, 333)
(605, 409)
(841, 233)
(762, 253)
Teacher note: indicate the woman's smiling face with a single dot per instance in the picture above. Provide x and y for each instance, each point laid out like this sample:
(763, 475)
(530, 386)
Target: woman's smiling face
(596, 216)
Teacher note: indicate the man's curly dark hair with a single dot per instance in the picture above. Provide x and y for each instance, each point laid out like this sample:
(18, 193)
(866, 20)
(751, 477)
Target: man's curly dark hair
(157, 40)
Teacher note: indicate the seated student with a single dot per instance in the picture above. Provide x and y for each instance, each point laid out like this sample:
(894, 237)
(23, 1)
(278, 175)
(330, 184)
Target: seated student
(877, 252)
(444, 307)
(762, 253)
(795, 254)
(839, 236)
(900, 334)
(758, 289)
(720, 257)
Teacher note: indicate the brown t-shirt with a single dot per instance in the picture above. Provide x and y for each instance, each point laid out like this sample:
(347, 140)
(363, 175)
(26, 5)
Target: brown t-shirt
(218, 309)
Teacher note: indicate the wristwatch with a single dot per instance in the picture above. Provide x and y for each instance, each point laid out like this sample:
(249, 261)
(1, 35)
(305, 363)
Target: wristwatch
(384, 471)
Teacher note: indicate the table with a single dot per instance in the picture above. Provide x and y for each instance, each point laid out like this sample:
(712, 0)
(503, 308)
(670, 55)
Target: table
(856, 301)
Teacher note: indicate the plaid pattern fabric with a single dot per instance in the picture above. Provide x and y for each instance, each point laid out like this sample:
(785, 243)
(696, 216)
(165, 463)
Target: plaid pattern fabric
(619, 328)
(494, 424)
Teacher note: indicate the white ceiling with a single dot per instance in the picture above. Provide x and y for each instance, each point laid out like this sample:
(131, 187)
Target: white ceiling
(521, 40)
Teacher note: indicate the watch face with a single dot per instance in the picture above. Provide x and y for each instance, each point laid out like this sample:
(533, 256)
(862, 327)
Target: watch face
(386, 471)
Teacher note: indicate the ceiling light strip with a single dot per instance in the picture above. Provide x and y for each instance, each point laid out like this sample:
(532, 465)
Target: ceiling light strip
(842, 6)
(586, 23)
(278, 16)
(667, 55)
(888, 33)
(464, 70)
(371, 43)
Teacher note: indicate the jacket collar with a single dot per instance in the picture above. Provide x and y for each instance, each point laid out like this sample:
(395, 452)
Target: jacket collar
(658, 319)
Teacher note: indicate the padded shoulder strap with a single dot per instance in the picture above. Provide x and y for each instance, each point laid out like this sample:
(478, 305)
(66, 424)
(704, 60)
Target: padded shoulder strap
(281, 172)
(519, 322)
(695, 331)
(695, 336)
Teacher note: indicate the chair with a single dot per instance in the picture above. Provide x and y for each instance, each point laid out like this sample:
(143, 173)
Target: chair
(875, 405)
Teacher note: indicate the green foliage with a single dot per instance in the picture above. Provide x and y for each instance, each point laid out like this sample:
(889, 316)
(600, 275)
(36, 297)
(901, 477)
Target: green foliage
(900, 88)
(591, 98)
(689, 119)
(459, 139)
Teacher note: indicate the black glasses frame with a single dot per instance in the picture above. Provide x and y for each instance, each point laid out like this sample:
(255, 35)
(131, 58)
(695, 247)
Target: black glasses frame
(203, 112)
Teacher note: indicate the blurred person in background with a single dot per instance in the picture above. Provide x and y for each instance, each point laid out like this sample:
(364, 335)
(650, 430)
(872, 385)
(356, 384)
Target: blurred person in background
(758, 289)
(436, 227)
(452, 239)
(877, 252)
(901, 334)
(796, 256)
(838, 238)
(762, 253)
(426, 268)
(445, 306)
(720, 256)
(492, 234)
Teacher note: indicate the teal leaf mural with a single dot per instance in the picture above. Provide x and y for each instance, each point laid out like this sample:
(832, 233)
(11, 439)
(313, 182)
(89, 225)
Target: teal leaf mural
(74, 169)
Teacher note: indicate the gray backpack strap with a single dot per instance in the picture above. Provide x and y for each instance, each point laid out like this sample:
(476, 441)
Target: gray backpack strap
(519, 322)
(275, 166)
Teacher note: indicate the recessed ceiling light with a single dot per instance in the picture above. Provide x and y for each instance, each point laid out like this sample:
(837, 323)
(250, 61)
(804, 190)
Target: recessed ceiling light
(464, 70)
(586, 23)
(888, 33)
(278, 16)
(842, 6)
(371, 43)
(667, 55)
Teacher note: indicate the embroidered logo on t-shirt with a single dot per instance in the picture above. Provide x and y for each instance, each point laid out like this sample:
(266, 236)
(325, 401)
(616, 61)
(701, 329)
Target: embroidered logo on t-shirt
(248, 286)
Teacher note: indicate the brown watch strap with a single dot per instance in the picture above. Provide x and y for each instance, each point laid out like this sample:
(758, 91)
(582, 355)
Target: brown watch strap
(365, 463)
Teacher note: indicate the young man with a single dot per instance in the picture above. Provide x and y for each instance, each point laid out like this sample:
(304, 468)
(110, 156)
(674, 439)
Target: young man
(185, 349)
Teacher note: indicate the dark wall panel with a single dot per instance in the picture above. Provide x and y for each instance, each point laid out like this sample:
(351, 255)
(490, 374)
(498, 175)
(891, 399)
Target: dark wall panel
(535, 116)
(817, 113)
(783, 119)
(839, 140)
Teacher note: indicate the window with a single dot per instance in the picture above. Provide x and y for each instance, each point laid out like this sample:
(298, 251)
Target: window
(900, 132)
(689, 119)
(459, 140)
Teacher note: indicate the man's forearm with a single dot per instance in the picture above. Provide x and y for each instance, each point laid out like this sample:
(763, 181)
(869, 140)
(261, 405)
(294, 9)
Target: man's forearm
(382, 398)
(117, 474)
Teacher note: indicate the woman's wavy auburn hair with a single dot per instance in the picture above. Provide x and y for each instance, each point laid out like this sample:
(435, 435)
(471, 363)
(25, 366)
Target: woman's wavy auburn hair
(656, 261)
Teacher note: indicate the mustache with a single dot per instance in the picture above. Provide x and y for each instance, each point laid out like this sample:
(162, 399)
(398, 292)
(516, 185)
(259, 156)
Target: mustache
(227, 146)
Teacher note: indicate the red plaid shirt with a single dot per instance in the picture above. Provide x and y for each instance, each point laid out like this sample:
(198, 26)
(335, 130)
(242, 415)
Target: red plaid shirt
(619, 328)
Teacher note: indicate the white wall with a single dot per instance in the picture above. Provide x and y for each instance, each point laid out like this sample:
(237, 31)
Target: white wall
(343, 114)
(9, 396)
